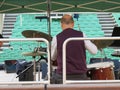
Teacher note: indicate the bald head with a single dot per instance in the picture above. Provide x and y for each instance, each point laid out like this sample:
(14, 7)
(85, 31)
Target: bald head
(67, 21)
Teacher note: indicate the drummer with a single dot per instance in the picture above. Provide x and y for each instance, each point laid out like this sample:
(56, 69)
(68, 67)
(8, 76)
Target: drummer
(75, 54)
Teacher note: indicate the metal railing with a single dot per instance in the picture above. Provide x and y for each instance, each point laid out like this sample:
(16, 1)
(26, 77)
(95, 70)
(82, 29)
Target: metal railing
(48, 53)
(64, 61)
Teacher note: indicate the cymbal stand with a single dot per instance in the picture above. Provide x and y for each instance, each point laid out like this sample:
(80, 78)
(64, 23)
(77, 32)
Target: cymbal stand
(39, 65)
(39, 71)
(34, 68)
(38, 49)
(102, 53)
(34, 64)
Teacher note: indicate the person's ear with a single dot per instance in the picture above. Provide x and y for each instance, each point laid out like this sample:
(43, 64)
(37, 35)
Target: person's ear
(72, 24)
(62, 25)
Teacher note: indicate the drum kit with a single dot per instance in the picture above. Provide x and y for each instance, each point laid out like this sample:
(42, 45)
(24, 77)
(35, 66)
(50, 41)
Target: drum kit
(101, 70)
(36, 52)
(35, 34)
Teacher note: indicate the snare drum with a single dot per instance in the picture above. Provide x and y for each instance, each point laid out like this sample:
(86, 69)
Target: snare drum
(101, 71)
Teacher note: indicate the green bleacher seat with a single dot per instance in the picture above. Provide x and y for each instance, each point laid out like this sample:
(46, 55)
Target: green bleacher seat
(89, 24)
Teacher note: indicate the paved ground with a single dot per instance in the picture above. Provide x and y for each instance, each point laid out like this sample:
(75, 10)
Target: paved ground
(7, 77)
(11, 77)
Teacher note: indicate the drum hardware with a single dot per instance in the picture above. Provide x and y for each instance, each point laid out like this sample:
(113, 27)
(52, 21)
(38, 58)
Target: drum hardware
(101, 70)
(34, 54)
(41, 49)
(36, 34)
(37, 50)
(28, 69)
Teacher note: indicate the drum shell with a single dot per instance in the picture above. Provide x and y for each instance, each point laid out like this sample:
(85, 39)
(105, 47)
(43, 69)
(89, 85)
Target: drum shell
(115, 61)
(102, 74)
(101, 71)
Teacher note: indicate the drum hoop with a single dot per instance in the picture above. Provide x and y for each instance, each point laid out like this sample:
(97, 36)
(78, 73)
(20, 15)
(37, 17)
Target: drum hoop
(101, 65)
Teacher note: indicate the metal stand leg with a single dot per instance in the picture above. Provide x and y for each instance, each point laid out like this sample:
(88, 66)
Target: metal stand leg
(38, 71)
(34, 69)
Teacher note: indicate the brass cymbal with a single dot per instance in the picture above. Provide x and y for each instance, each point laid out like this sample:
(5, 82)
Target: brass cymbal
(102, 43)
(36, 34)
(34, 53)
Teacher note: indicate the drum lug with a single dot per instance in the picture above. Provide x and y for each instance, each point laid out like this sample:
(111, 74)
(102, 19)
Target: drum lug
(101, 70)
(111, 68)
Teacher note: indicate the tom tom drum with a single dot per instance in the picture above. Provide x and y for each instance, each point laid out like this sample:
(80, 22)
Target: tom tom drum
(101, 71)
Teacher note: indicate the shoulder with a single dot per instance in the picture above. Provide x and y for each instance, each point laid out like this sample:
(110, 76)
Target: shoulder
(80, 32)
(54, 39)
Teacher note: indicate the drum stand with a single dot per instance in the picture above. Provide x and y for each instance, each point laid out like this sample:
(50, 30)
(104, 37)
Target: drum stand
(102, 53)
(34, 69)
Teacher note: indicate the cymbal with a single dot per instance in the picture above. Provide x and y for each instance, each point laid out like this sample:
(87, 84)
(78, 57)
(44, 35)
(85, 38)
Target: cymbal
(102, 43)
(36, 34)
(34, 53)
